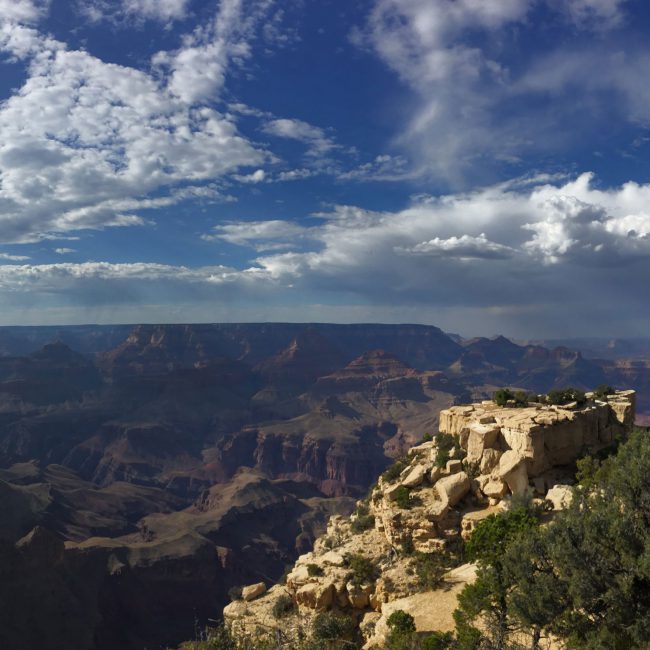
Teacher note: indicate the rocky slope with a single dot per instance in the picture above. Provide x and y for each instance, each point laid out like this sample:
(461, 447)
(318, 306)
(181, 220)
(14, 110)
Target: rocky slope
(380, 559)
(172, 462)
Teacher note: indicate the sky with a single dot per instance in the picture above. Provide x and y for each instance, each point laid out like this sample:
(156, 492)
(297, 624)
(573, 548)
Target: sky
(479, 165)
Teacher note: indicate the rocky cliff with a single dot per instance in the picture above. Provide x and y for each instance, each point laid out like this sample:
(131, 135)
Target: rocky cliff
(401, 548)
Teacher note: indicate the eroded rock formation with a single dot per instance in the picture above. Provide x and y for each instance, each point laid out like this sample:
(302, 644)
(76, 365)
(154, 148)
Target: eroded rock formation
(427, 504)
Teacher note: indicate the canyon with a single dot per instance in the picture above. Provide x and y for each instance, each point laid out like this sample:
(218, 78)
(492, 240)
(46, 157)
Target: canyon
(146, 470)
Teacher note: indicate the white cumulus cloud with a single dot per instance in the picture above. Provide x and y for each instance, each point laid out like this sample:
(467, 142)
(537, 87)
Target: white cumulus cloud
(85, 142)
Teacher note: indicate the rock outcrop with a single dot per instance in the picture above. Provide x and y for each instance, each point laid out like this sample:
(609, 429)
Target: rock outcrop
(511, 446)
(370, 565)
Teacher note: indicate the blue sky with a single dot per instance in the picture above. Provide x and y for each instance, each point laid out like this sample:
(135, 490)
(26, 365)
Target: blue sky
(481, 165)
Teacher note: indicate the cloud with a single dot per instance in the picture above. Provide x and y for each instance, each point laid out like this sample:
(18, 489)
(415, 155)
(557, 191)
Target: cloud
(479, 103)
(531, 256)
(466, 247)
(295, 174)
(514, 247)
(258, 176)
(599, 14)
(13, 258)
(65, 251)
(86, 142)
(197, 70)
(314, 137)
(260, 235)
(23, 11)
(159, 10)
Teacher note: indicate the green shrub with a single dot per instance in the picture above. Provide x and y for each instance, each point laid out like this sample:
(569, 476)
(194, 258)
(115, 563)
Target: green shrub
(314, 570)
(563, 396)
(602, 391)
(215, 638)
(403, 497)
(427, 437)
(394, 471)
(438, 641)
(430, 569)
(283, 606)
(330, 627)
(364, 571)
(447, 442)
(402, 631)
(408, 547)
(361, 523)
(520, 398)
(234, 593)
(502, 396)
(401, 621)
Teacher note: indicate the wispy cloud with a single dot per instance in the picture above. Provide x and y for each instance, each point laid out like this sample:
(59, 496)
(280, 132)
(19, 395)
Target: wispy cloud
(317, 141)
(117, 10)
(475, 106)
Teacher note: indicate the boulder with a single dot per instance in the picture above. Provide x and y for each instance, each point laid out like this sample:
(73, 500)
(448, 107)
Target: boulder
(489, 460)
(495, 488)
(391, 492)
(253, 591)
(341, 595)
(508, 462)
(481, 437)
(333, 558)
(517, 479)
(235, 610)
(453, 488)
(358, 596)
(415, 477)
(368, 624)
(298, 577)
(316, 595)
(454, 466)
(560, 496)
(437, 510)
(435, 474)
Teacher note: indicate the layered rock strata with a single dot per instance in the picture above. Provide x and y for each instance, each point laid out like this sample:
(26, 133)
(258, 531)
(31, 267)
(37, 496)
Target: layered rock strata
(427, 504)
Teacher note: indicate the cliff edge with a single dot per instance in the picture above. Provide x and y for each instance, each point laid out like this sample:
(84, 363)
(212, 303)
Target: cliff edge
(402, 548)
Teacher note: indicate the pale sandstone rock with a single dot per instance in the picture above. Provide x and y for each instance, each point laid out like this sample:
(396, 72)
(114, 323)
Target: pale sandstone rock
(508, 462)
(391, 492)
(435, 474)
(316, 595)
(454, 466)
(432, 610)
(341, 595)
(489, 460)
(453, 488)
(517, 480)
(298, 576)
(253, 591)
(368, 624)
(481, 437)
(333, 558)
(235, 610)
(357, 596)
(560, 496)
(437, 510)
(415, 477)
(495, 488)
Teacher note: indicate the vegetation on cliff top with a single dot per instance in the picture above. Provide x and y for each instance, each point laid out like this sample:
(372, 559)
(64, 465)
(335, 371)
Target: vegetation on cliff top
(585, 577)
